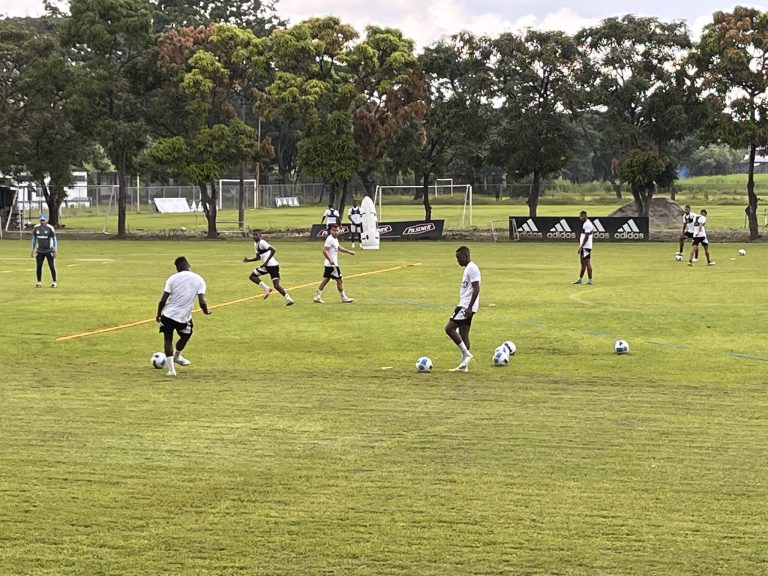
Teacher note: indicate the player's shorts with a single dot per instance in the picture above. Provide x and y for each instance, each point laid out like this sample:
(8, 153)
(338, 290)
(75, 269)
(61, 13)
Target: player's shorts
(332, 273)
(586, 253)
(356, 228)
(688, 234)
(273, 271)
(458, 317)
(700, 240)
(169, 325)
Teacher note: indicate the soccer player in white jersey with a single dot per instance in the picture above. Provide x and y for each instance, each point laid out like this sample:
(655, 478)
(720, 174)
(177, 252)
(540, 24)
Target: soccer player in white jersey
(689, 219)
(700, 238)
(585, 248)
(174, 311)
(269, 265)
(331, 250)
(330, 216)
(355, 216)
(460, 323)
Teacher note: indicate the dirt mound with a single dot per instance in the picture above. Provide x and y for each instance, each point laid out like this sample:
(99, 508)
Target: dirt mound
(662, 212)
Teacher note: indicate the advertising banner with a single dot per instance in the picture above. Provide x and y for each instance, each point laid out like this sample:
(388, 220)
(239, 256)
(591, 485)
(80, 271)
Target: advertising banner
(568, 228)
(413, 230)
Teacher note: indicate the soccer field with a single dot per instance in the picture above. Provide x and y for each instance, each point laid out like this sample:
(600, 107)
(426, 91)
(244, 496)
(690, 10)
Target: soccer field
(302, 440)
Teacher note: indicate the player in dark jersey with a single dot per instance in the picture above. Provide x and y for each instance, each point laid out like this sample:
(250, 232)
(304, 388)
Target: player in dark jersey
(44, 247)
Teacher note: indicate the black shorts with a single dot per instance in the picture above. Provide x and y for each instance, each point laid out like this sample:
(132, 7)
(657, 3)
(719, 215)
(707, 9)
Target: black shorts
(688, 235)
(332, 273)
(586, 253)
(458, 317)
(273, 271)
(700, 240)
(169, 326)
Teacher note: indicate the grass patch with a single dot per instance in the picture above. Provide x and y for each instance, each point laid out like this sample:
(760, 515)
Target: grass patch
(285, 448)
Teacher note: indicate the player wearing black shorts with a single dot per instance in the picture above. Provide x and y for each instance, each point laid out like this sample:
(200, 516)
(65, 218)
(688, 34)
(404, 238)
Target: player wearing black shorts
(269, 266)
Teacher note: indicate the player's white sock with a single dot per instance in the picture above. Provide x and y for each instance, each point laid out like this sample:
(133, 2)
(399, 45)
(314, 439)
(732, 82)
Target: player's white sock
(318, 293)
(463, 348)
(264, 286)
(171, 367)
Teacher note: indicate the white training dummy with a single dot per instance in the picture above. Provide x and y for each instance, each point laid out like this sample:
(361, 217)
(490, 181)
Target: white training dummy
(370, 237)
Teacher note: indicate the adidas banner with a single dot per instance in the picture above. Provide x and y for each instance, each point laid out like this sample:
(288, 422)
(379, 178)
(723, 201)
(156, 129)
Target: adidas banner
(413, 230)
(569, 228)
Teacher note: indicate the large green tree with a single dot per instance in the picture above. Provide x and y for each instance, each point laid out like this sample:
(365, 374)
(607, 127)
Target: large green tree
(112, 44)
(533, 79)
(636, 83)
(732, 58)
(258, 16)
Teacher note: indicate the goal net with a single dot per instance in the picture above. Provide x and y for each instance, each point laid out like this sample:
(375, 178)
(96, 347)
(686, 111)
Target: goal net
(440, 189)
(229, 190)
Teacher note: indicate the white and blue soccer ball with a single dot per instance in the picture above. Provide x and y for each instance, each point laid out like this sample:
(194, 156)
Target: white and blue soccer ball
(158, 360)
(501, 356)
(510, 346)
(423, 364)
(678, 257)
(742, 252)
(621, 347)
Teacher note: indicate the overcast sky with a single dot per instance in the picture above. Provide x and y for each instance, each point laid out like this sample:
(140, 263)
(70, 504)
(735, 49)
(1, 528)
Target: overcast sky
(427, 20)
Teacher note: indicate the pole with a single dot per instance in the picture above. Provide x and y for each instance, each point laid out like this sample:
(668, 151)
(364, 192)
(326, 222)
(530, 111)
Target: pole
(257, 188)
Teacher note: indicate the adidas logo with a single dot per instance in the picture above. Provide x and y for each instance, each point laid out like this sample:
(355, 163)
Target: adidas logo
(529, 230)
(599, 230)
(629, 231)
(561, 231)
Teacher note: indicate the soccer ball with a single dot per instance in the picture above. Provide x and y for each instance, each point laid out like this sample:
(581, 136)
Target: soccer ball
(158, 360)
(510, 346)
(742, 252)
(423, 364)
(500, 357)
(678, 257)
(621, 347)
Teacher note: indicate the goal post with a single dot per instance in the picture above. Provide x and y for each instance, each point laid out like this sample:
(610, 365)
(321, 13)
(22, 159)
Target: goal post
(233, 185)
(436, 188)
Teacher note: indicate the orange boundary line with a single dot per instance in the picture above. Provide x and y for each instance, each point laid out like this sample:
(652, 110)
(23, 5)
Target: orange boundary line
(238, 301)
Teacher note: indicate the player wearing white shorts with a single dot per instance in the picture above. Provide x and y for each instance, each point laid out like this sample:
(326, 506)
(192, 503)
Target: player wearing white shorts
(585, 248)
(460, 323)
(355, 216)
(269, 265)
(700, 238)
(331, 271)
(174, 311)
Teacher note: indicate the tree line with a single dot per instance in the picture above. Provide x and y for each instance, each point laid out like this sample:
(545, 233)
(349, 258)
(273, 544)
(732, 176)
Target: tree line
(194, 90)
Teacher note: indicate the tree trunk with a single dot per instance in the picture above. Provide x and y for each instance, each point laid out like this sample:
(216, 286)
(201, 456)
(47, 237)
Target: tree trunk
(533, 197)
(642, 198)
(368, 182)
(616, 185)
(121, 198)
(208, 198)
(343, 201)
(425, 198)
(754, 231)
(53, 202)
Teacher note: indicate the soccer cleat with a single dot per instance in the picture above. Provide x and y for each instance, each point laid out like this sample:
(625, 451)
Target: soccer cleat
(39, 285)
(289, 302)
(267, 292)
(678, 253)
(690, 263)
(711, 263)
(318, 300)
(459, 368)
(695, 259)
(169, 373)
(465, 360)
(181, 361)
(347, 300)
(590, 281)
(53, 285)
(577, 281)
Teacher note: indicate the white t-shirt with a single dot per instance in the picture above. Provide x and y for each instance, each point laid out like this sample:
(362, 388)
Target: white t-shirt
(183, 288)
(471, 274)
(587, 229)
(355, 215)
(333, 250)
(331, 216)
(689, 220)
(262, 248)
(698, 230)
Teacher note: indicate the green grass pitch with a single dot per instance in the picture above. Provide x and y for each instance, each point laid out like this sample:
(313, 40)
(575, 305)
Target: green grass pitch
(302, 440)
